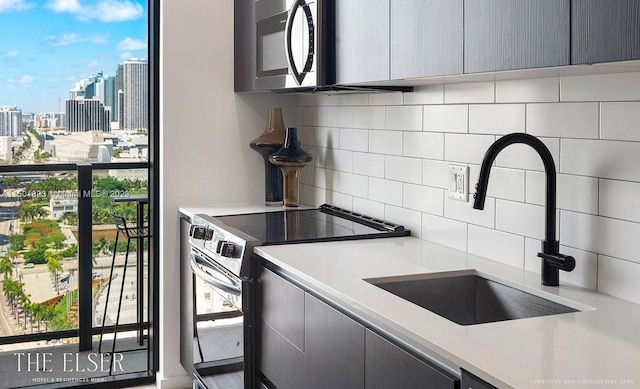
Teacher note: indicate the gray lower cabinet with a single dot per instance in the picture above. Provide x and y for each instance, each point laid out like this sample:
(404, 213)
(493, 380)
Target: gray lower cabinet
(334, 348)
(604, 31)
(304, 343)
(390, 367)
(507, 34)
(426, 38)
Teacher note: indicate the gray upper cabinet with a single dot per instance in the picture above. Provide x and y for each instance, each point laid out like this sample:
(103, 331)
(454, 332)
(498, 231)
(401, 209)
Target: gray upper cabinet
(244, 46)
(362, 40)
(426, 38)
(507, 34)
(604, 31)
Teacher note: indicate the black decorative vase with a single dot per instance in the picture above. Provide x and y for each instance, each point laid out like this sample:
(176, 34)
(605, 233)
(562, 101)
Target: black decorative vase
(266, 144)
(291, 159)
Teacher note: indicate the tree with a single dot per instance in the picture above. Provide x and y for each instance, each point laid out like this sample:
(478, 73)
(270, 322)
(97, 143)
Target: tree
(6, 267)
(11, 181)
(54, 266)
(17, 241)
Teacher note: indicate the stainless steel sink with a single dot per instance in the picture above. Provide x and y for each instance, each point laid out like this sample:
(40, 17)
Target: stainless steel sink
(469, 299)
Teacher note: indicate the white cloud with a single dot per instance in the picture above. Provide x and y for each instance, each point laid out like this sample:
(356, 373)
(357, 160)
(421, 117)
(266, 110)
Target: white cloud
(71, 38)
(12, 53)
(132, 44)
(15, 5)
(125, 56)
(104, 11)
(26, 79)
(92, 65)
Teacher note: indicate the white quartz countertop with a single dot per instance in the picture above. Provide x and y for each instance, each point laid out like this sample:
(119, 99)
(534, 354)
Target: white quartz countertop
(597, 347)
(231, 209)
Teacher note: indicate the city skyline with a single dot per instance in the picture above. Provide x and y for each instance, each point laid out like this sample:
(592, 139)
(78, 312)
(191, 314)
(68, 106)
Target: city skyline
(60, 42)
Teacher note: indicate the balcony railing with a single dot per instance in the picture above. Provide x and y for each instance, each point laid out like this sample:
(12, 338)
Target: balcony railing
(85, 279)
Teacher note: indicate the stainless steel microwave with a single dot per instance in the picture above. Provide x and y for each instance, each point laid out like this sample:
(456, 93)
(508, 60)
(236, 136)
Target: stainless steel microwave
(290, 44)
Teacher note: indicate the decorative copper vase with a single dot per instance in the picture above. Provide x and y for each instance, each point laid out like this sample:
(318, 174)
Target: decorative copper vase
(291, 159)
(270, 141)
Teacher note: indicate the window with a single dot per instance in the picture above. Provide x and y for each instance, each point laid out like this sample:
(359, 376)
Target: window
(75, 124)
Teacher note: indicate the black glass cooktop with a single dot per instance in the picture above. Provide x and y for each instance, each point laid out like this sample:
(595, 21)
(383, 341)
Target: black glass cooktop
(311, 225)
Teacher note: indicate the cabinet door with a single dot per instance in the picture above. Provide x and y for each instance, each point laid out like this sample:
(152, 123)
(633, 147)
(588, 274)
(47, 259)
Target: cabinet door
(507, 34)
(362, 40)
(280, 348)
(244, 30)
(334, 348)
(389, 367)
(426, 38)
(604, 30)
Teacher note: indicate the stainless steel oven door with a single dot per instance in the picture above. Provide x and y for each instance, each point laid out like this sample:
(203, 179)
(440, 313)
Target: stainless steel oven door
(225, 284)
(287, 44)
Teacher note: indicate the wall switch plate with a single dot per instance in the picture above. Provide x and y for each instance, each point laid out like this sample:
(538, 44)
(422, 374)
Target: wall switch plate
(459, 182)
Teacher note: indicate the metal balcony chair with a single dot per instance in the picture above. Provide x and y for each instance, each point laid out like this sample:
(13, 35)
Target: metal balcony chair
(139, 233)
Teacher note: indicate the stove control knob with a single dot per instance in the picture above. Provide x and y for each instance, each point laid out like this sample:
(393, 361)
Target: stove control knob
(227, 249)
(208, 235)
(198, 232)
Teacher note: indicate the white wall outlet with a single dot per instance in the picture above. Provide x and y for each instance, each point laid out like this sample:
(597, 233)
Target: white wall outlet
(459, 182)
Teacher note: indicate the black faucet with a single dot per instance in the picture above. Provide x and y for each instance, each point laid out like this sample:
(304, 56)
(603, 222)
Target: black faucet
(552, 260)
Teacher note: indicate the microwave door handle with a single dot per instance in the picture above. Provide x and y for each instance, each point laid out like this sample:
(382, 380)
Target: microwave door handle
(299, 77)
(227, 287)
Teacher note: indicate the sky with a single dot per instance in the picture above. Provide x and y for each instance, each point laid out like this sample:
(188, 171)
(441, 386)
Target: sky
(47, 46)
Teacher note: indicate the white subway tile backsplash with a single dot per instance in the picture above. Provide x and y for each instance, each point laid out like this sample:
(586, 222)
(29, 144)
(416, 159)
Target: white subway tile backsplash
(472, 92)
(403, 118)
(385, 142)
(463, 211)
(603, 159)
(354, 99)
(620, 120)
(368, 164)
(435, 173)
(612, 237)
(620, 200)
(496, 118)
(428, 94)
(408, 218)
(306, 99)
(497, 246)
(351, 184)
(508, 184)
(447, 232)
(539, 90)
(371, 118)
(339, 160)
(327, 100)
(446, 118)
(387, 155)
(355, 140)
(340, 117)
(574, 193)
(571, 120)
(390, 98)
(520, 218)
(368, 207)
(520, 156)
(466, 148)
(584, 275)
(327, 137)
(423, 198)
(619, 278)
(423, 145)
(385, 191)
(403, 169)
(603, 87)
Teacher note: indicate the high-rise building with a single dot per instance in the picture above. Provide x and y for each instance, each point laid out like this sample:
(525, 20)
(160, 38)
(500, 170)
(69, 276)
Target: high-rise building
(106, 93)
(10, 121)
(136, 95)
(87, 115)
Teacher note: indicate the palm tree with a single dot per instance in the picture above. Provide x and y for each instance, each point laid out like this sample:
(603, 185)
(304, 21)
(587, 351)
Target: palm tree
(6, 267)
(54, 266)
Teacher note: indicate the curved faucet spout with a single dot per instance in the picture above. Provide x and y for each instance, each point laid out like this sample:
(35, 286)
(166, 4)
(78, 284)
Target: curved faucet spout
(550, 245)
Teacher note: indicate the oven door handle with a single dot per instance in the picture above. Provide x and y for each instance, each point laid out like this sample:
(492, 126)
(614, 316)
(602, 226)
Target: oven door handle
(232, 288)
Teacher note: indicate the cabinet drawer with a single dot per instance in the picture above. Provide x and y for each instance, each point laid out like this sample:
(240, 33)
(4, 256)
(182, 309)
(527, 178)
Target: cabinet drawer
(279, 360)
(282, 306)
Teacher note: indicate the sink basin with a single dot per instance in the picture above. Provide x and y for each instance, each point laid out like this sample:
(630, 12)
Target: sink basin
(469, 299)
